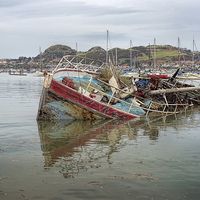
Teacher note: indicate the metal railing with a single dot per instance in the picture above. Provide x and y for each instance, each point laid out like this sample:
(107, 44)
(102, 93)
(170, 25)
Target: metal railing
(150, 108)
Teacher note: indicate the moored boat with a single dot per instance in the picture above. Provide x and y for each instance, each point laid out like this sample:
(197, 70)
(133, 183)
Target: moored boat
(38, 74)
(17, 72)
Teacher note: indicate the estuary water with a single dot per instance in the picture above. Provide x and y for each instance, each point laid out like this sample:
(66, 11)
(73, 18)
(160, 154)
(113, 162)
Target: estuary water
(148, 158)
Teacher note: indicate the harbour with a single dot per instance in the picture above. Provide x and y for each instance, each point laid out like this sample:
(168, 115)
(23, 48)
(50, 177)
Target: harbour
(99, 100)
(144, 158)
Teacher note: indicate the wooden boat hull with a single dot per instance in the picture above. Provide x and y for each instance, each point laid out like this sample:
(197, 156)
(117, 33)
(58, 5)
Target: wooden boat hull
(62, 102)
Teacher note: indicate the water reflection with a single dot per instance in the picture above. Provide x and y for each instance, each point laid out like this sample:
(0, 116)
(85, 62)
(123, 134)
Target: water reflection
(76, 146)
(60, 138)
(152, 126)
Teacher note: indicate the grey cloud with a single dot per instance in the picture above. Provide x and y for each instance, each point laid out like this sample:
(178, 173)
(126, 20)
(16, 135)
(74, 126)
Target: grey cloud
(11, 3)
(39, 9)
(33, 23)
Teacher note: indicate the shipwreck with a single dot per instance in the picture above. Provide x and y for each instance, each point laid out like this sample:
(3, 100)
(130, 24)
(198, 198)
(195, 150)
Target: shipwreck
(73, 91)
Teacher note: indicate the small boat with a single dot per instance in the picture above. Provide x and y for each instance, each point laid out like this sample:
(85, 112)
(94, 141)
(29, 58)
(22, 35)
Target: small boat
(65, 97)
(17, 73)
(38, 74)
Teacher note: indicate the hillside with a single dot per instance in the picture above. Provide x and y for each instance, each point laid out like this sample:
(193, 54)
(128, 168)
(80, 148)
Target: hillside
(56, 51)
(163, 53)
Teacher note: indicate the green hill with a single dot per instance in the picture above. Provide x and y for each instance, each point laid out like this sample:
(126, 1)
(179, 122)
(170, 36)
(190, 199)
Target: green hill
(163, 53)
(56, 51)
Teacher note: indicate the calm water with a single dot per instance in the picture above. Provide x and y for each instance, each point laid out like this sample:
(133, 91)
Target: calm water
(154, 158)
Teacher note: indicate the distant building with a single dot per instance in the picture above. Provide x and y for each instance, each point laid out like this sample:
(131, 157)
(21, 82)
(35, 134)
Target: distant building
(3, 62)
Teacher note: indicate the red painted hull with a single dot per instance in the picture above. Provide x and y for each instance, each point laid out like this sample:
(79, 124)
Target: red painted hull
(86, 103)
(158, 75)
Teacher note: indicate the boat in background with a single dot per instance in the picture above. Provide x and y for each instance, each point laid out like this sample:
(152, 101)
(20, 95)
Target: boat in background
(17, 72)
(38, 74)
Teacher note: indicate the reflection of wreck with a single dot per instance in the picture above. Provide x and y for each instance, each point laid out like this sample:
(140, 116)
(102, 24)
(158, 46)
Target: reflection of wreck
(76, 145)
(151, 126)
(60, 134)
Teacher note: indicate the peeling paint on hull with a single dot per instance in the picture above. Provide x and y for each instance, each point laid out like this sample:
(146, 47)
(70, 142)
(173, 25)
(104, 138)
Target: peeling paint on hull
(62, 102)
(56, 107)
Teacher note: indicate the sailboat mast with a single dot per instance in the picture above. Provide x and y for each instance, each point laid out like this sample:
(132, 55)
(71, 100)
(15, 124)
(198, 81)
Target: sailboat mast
(154, 53)
(179, 52)
(40, 51)
(107, 49)
(130, 54)
(116, 57)
(76, 53)
(149, 55)
(193, 57)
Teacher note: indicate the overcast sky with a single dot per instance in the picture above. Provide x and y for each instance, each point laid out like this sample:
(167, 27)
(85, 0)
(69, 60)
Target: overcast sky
(27, 25)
